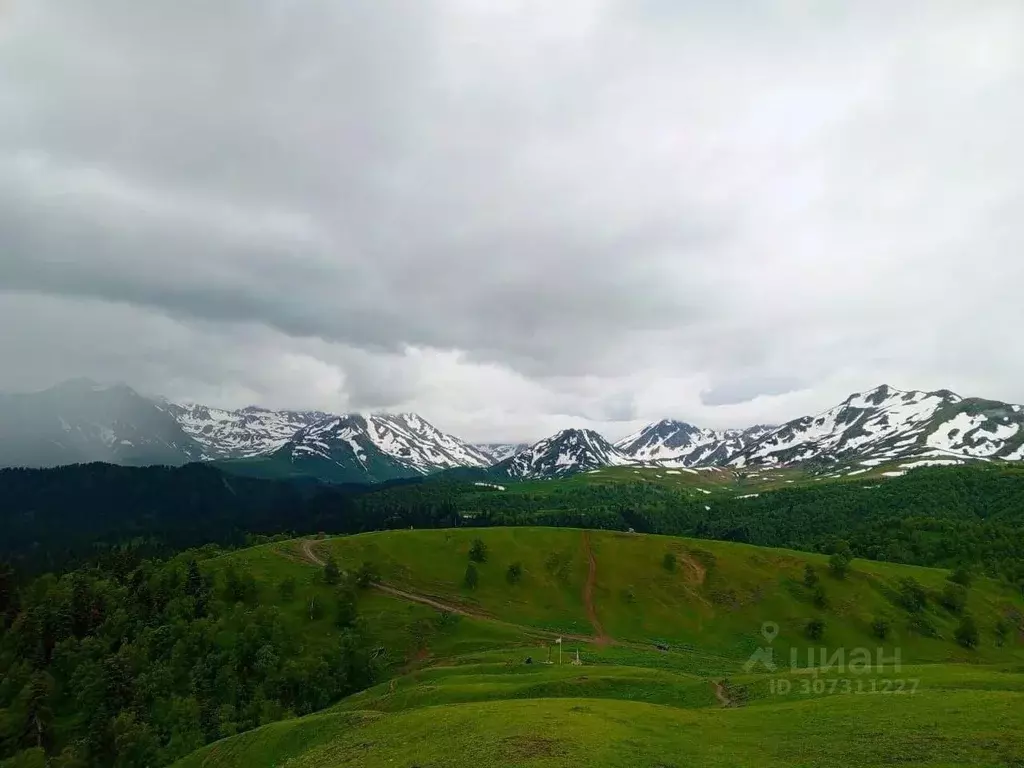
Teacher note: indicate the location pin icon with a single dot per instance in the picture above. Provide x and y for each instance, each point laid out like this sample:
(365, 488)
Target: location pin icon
(770, 630)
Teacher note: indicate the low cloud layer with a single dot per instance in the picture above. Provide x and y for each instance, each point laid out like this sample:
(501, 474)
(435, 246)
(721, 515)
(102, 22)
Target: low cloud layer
(513, 219)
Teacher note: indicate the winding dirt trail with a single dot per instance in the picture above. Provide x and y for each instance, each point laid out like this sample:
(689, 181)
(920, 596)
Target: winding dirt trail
(307, 552)
(588, 593)
(310, 555)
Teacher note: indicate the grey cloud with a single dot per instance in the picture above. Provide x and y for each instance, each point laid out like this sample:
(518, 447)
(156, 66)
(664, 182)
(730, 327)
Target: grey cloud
(601, 211)
(744, 390)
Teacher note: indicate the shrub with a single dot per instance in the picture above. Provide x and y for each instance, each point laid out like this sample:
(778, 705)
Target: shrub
(1002, 629)
(344, 609)
(447, 619)
(478, 551)
(331, 573)
(514, 573)
(954, 597)
(286, 588)
(819, 597)
(815, 629)
(810, 577)
(472, 578)
(921, 625)
(367, 575)
(839, 565)
(967, 633)
(961, 576)
(629, 594)
(912, 595)
(239, 587)
(880, 628)
(668, 562)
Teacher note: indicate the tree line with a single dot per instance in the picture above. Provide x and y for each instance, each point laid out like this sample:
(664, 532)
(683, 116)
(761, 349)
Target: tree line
(940, 516)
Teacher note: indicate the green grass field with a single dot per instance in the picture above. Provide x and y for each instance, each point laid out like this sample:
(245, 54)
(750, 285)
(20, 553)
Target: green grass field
(663, 679)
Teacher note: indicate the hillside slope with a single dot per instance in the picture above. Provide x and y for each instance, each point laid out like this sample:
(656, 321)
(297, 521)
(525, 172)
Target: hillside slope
(715, 598)
(663, 654)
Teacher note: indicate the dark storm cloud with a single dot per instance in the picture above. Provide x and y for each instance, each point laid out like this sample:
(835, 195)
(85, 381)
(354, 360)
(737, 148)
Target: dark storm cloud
(510, 214)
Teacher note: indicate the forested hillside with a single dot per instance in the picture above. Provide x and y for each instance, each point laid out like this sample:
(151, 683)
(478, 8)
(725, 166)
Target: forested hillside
(136, 663)
(940, 516)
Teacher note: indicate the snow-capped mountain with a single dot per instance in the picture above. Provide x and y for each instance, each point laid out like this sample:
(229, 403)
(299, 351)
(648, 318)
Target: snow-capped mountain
(678, 444)
(82, 421)
(374, 448)
(243, 433)
(256, 431)
(887, 424)
(569, 451)
(419, 444)
(498, 452)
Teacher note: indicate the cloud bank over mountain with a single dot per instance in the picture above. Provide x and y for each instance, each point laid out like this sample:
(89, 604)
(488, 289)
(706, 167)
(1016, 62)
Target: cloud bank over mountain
(515, 219)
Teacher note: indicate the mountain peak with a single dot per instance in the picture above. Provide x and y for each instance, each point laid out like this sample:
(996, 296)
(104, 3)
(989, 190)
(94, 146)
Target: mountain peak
(564, 453)
(887, 425)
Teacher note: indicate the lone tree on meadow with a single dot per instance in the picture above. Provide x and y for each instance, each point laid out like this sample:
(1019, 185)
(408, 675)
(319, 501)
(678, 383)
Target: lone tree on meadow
(478, 551)
(515, 573)
(815, 629)
(472, 578)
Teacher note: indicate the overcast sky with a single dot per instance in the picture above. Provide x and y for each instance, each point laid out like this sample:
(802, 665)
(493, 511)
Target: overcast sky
(514, 217)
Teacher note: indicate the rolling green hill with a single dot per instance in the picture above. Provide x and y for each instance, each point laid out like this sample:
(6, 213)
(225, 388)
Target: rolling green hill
(664, 628)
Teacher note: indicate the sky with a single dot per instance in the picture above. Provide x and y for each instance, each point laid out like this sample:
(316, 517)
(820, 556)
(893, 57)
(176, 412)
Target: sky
(514, 217)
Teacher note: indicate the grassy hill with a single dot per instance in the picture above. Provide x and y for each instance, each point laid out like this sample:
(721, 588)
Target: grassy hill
(663, 642)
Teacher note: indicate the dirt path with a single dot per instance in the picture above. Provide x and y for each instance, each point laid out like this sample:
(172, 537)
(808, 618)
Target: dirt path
(310, 555)
(700, 573)
(470, 612)
(723, 699)
(588, 593)
(413, 597)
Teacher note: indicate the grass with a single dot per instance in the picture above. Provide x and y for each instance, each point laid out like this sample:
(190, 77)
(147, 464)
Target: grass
(934, 729)
(458, 692)
(715, 600)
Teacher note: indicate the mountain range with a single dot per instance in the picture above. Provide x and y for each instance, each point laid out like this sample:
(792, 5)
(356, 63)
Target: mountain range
(82, 421)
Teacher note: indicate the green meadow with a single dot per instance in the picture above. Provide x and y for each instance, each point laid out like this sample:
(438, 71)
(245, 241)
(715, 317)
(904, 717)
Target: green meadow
(663, 629)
